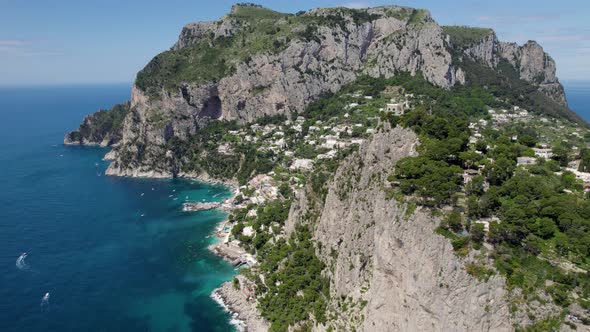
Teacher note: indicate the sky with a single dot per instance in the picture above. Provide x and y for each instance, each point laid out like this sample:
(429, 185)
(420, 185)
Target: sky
(79, 41)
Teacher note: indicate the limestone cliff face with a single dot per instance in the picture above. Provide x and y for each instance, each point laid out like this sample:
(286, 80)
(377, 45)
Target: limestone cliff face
(377, 252)
(342, 45)
(273, 83)
(530, 61)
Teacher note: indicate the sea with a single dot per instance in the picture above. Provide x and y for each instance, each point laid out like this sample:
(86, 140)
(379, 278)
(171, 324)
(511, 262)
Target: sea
(102, 253)
(578, 97)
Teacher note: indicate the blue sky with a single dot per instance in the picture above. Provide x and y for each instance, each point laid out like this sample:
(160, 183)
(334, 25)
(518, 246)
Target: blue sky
(66, 41)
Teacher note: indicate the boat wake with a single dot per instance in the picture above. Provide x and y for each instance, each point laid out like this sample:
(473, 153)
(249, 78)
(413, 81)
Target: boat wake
(45, 301)
(20, 262)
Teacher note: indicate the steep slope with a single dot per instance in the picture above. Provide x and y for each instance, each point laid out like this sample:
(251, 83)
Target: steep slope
(490, 62)
(390, 259)
(102, 128)
(531, 62)
(255, 62)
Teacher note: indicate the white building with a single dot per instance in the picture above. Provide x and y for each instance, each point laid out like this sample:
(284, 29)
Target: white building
(543, 153)
(395, 108)
(301, 164)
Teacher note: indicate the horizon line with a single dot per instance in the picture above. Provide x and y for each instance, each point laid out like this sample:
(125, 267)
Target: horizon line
(64, 84)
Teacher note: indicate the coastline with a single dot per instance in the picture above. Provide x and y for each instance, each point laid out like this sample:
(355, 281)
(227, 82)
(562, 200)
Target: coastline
(241, 306)
(239, 303)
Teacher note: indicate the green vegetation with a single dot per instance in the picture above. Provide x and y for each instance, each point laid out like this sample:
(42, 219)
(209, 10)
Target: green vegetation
(585, 161)
(103, 123)
(211, 57)
(236, 283)
(294, 287)
(541, 226)
(417, 16)
(400, 13)
(479, 271)
(199, 63)
(260, 30)
(464, 36)
(549, 324)
(199, 153)
(434, 175)
(544, 216)
(505, 83)
(435, 181)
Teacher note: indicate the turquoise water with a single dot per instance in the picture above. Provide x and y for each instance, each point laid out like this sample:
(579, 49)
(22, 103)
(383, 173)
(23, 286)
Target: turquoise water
(112, 259)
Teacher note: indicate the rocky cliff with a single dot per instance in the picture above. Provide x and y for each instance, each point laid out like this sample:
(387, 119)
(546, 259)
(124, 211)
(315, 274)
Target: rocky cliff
(102, 128)
(255, 62)
(529, 60)
(389, 269)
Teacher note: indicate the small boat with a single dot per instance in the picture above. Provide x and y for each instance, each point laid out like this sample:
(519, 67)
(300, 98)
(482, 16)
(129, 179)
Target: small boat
(142, 194)
(45, 300)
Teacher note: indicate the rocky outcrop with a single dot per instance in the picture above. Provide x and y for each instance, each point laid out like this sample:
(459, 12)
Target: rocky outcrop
(101, 128)
(389, 258)
(529, 60)
(240, 302)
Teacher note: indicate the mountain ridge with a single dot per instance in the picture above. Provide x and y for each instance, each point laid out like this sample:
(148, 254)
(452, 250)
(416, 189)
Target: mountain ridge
(255, 62)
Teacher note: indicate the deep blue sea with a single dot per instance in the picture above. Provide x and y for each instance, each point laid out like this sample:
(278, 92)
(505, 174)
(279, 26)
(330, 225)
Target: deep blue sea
(115, 254)
(578, 97)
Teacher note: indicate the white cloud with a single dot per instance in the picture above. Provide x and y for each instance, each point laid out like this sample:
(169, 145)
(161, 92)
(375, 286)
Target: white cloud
(12, 42)
(24, 48)
(42, 53)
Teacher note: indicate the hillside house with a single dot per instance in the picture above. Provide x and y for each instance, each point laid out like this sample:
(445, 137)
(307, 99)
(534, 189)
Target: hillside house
(524, 161)
(395, 108)
(543, 153)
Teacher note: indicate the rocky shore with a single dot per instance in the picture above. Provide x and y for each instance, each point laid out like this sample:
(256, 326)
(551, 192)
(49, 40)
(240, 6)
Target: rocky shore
(113, 170)
(239, 301)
